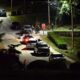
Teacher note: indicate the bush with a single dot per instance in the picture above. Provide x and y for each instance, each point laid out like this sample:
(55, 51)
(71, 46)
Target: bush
(52, 39)
(62, 46)
(60, 43)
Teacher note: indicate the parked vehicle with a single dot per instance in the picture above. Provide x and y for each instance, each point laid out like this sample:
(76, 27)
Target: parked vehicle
(21, 32)
(54, 57)
(15, 26)
(28, 40)
(27, 28)
(41, 44)
(42, 51)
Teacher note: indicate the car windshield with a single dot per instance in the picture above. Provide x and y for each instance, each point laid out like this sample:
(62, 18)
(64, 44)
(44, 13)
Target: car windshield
(42, 45)
(27, 26)
(43, 50)
(28, 36)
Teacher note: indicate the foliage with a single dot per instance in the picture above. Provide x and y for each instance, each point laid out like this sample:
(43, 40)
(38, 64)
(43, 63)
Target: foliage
(59, 42)
(64, 7)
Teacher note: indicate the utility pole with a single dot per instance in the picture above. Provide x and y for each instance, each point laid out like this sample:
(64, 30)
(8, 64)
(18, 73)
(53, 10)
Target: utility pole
(72, 25)
(48, 12)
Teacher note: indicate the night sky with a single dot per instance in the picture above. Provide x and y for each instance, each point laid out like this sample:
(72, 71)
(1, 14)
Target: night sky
(20, 3)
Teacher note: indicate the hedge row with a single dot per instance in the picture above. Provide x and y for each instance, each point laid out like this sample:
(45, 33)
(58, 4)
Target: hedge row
(60, 43)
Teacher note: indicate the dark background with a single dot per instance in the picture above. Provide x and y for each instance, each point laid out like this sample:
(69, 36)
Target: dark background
(39, 9)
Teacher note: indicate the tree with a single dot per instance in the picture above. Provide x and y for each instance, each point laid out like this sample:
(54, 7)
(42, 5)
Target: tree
(63, 7)
(67, 7)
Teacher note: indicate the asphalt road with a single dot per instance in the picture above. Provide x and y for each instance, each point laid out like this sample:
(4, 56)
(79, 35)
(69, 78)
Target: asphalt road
(25, 56)
(11, 38)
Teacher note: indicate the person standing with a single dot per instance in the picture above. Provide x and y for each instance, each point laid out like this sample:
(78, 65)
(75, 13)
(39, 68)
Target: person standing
(37, 28)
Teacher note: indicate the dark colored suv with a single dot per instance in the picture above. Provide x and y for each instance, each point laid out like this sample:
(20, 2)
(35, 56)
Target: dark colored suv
(15, 26)
(27, 28)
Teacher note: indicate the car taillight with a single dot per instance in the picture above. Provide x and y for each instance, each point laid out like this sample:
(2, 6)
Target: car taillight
(25, 40)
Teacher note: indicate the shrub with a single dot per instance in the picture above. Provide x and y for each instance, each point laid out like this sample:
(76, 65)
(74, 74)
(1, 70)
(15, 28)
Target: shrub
(60, 43)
